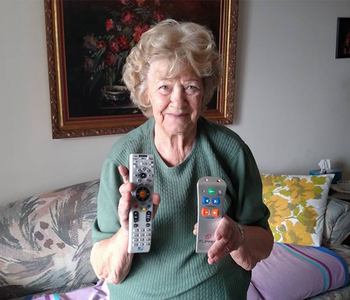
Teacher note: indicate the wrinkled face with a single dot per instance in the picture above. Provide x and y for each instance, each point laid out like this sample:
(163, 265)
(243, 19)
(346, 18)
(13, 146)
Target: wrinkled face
(176, 102)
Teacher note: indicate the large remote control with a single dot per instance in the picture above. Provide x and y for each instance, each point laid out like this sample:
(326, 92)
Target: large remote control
(211, 194)
(141, 173)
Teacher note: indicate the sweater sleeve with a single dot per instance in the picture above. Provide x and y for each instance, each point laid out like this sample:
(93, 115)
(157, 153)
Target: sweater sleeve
(248, 207)
(107, 223)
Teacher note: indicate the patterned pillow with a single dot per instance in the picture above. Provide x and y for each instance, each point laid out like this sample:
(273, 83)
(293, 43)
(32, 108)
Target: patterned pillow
(45, 241)
(297, 205)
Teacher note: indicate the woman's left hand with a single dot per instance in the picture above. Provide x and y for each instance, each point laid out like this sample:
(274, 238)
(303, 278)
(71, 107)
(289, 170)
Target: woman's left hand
(228, 238)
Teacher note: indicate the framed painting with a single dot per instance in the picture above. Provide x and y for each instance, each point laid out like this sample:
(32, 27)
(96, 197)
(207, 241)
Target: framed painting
(88, 42)
(343, 38)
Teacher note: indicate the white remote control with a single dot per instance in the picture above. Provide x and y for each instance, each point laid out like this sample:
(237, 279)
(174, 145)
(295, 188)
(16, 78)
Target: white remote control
(211, 194)
(141, 173)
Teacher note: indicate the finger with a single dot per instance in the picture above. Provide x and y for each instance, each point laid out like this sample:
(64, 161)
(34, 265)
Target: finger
(124, 172)
(124, 209)
(224, 228)
(218, 250)
(156, 201)
(126, 188)
(195, 229)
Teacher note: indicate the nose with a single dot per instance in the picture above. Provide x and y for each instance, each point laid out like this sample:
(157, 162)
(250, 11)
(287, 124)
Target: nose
(178, 96)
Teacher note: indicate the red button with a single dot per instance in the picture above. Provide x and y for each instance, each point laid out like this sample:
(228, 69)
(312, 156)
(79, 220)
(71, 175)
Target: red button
(205, 212)
(215, 213)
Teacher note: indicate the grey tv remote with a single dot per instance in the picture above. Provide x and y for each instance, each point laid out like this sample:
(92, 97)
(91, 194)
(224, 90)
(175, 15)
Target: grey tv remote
(141, 173)
(210, 194)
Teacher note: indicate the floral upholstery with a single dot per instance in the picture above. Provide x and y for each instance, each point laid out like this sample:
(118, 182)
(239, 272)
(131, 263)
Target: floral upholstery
(45, 241)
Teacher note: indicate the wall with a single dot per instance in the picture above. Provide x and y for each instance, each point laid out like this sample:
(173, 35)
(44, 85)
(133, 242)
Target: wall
(292, 102)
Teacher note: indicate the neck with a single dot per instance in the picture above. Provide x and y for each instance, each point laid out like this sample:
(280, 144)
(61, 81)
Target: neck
(173, 148)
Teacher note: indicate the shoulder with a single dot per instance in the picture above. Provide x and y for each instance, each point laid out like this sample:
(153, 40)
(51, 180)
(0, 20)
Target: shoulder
(132, 142)
(220, 136)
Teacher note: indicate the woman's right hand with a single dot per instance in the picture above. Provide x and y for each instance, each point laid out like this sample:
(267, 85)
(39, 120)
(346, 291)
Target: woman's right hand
(125, 201)
(110, 258)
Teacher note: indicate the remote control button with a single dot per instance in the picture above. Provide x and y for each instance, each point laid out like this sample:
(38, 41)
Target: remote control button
(220, 192)
(143, 175)
(148, 224)
(205, 200)
(215, 212)
(211, 191)
(216, 200)
(205, 212)
(136, 225)
(142, 194)
(135, 235)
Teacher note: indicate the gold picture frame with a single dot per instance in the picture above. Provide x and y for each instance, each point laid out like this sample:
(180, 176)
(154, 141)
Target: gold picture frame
(70, 116)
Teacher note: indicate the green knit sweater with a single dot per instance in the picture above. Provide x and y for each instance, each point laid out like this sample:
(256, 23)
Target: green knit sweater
(172, 269)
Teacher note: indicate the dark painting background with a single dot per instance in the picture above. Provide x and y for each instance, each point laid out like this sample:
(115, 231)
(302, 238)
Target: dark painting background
(82, 17)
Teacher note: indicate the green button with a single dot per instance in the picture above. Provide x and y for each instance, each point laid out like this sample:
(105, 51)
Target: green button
(211, 191)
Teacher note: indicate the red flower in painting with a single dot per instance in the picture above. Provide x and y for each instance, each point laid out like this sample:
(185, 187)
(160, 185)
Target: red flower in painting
(127, 18)
(109, 24)
(123, 42)
(114, 46)
(101, 44)
(158, 16)
(110, 59)
(139, 30)
(123, 28)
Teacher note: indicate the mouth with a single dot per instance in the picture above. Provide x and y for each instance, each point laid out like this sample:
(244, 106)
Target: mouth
(177, 115)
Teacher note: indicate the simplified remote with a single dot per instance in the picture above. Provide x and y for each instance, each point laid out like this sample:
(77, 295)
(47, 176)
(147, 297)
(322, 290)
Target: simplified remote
(141, 173)
(211, 194)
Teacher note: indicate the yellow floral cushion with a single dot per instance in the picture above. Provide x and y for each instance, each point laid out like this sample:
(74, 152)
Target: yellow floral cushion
(297, 204)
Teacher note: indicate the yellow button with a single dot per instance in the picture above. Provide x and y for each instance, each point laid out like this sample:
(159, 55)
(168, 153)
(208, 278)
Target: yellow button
(144, 208)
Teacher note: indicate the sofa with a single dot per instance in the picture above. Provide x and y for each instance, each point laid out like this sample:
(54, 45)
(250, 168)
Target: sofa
(45, 244)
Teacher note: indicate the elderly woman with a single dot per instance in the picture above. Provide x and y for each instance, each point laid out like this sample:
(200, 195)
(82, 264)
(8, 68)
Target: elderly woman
(172, 74)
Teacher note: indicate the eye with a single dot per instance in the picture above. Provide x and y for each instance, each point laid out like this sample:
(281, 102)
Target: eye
(191, 89)
(164, 89)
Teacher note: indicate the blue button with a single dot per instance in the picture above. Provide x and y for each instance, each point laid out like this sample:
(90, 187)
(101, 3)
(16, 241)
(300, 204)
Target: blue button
(216, 200)
(140, 248)
(205, 200)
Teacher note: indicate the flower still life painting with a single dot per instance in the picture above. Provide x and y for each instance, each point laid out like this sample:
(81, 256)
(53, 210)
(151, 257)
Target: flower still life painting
(88, 42)
(106, 53)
